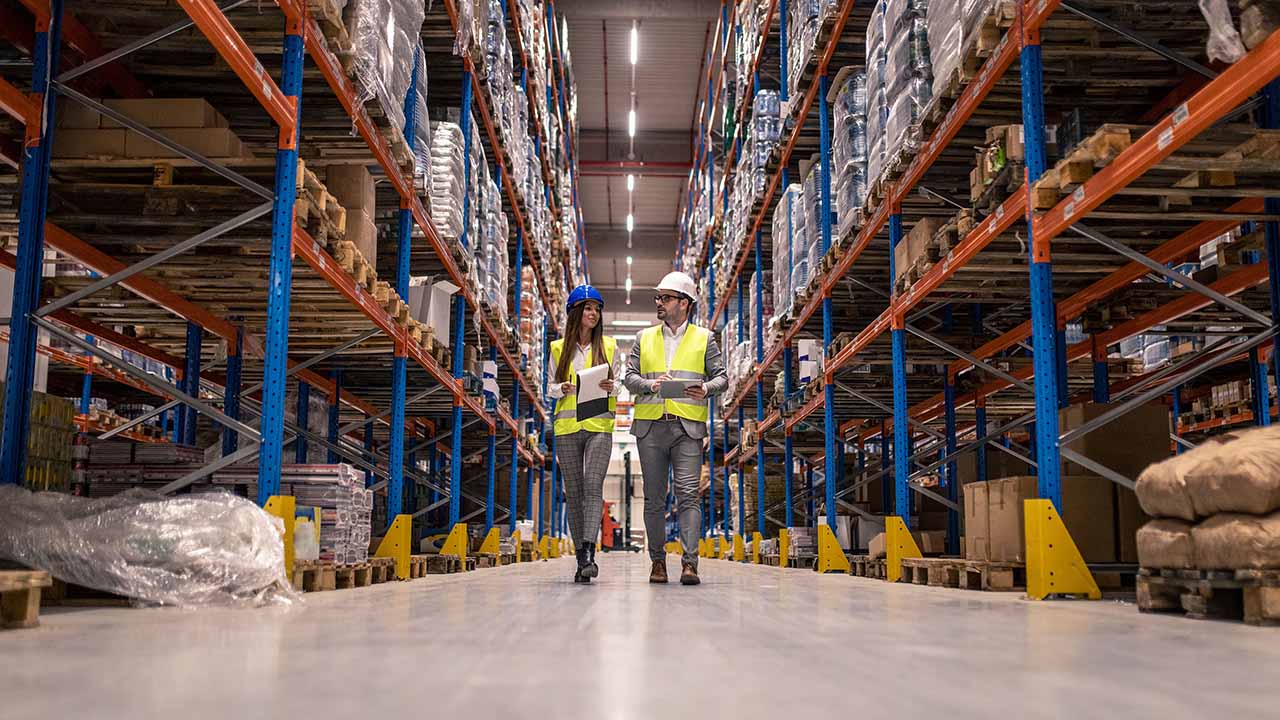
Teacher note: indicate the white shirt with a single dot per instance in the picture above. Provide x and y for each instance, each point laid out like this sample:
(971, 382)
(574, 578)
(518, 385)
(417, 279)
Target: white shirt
(671, 340)
(579, 361)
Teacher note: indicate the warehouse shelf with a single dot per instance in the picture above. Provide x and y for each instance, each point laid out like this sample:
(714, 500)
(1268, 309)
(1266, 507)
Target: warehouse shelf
(1178, 111)
(328, 300)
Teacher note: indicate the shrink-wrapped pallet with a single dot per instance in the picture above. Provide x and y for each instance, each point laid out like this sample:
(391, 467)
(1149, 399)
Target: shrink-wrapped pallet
(384, 35)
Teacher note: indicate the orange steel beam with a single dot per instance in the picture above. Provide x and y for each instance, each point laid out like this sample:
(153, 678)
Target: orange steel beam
(231, 46)
(20, 105)
(1214, 100)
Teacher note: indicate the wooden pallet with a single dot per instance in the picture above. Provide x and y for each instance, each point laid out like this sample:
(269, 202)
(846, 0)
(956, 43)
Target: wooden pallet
(353, 575)
(20, 597)
(355, 265)
(443, 564)
(1079, 165)
(938, 572)
(867, 566)
(313, 575)
(992, 576)
(1249, 595)
(382, 570)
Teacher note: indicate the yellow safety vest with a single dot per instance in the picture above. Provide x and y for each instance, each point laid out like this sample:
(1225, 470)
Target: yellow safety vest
(567, 406)
(689, 363)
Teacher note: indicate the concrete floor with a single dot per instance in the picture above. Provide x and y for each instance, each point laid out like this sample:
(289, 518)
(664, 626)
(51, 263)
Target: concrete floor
(524, 642)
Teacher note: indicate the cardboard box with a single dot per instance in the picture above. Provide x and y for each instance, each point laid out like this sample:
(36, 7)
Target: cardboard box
(71, 115)
(212, 143)
(353, 186)
(89, 143)
(875, 548)
(1086, 508)
(1013, 139)
(364, 234)
(977, 521)
(429, 303)
(932, 542)
(166, 113)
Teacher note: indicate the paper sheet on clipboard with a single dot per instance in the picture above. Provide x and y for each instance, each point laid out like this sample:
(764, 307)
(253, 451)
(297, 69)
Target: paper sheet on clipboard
(593, 401)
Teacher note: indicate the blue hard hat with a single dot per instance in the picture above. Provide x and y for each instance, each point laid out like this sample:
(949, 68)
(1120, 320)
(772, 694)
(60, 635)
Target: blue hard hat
(583, 293)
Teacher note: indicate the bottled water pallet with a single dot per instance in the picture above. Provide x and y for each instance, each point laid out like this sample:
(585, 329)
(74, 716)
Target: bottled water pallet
(1249, 595)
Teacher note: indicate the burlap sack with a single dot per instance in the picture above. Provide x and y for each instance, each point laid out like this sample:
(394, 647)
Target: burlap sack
(1233, 542)
(1166, 543)
(1241, 476)
(1162, 487)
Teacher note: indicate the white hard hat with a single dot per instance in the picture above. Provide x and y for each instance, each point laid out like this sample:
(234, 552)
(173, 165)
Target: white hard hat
(681, 283)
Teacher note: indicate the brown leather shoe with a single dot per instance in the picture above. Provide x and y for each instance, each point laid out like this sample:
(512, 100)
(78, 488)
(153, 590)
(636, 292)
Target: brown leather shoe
(689, 574)
(658, 573)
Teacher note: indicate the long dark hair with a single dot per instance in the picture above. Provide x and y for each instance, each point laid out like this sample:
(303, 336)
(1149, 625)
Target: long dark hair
(572, 328)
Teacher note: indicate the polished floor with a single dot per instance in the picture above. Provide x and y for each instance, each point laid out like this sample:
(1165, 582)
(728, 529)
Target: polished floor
(524, 642)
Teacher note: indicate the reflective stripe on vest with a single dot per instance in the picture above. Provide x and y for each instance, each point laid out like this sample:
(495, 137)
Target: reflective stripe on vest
(688, 363)
(566, 413)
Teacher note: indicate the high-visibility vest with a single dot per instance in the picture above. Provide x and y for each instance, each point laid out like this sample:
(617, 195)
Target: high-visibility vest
(567, 406)
(689, 363)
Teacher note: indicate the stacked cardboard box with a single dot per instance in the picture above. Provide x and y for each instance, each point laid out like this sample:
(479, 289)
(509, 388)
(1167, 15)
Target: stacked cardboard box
(353, 186)
(190, 122)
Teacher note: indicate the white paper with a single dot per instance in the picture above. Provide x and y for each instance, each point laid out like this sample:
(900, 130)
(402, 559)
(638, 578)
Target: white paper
(589, 390)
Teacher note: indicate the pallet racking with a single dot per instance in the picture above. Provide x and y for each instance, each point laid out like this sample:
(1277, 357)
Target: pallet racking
(1025, 257)
(276, 73)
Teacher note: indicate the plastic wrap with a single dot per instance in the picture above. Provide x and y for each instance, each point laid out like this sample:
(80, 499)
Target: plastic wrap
(421, 122)
(1224, 41)
(448, 179)
(192, 551)
(384, 34)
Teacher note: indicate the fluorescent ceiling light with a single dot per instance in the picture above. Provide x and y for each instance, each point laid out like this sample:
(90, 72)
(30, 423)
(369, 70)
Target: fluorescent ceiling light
(631, 123)
(631, 222)
(635, 43)
(630, 323)
(628, 259)
(631, 182)
(628, 286)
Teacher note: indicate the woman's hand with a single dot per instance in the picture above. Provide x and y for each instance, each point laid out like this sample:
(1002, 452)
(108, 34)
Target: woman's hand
(568, 388)
(607, 385)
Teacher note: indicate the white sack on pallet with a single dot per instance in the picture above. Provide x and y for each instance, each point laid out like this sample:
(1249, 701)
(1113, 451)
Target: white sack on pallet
(1234, 542)
(1242, 476)
(191, 551)
(1166, 543)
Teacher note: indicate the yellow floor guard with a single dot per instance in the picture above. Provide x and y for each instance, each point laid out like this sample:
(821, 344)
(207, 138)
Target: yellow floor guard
(515, 537)
(673, 547)
(724, 548)
(898, 544)
(1054, 564)
(756, 541)
(739, 548)
(490, 544)
(398, 544)
(784, 543)
(284, 507)
(541, 546)
(831, 557)
(456, 544)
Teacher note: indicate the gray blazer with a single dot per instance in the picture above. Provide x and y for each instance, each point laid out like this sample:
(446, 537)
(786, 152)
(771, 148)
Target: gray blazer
(716, 383)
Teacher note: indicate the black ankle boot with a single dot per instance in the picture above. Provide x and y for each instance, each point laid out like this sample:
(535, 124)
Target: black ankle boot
(581, 575)
(591, 570)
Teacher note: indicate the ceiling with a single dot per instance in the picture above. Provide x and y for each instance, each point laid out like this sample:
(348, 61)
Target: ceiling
(672, 47)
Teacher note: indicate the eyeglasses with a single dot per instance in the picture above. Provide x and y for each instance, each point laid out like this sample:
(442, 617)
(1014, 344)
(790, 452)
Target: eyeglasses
(664, 299)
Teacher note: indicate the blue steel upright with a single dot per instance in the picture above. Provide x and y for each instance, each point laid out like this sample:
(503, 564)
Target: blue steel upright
(980, 431)
(515, 389)
(789, 450)
(742, 504)
(824, 177)
(20, 373)
(901, 430)
(459, 314)
(711, 410)
(302, 416)
(275, 363)
(759, 323)
(231, 392)
(953, 482)
(1270, 116)
(190, 384)
(399, 363)
(1043, 313)
(1261, 397)
(335, 417)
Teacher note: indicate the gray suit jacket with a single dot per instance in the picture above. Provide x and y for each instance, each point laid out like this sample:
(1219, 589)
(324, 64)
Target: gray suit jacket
(717, 382)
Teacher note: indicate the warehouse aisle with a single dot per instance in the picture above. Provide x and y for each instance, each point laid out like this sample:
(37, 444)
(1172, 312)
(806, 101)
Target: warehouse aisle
(524, 642)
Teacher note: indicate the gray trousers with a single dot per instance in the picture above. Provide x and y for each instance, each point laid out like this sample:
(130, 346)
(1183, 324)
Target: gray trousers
(584, 461)
(668, 447)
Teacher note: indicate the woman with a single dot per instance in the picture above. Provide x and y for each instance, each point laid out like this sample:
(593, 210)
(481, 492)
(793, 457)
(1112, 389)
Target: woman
(583, 448)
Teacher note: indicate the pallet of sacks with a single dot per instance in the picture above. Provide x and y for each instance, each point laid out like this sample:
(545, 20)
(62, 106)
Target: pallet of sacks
(1213, 549)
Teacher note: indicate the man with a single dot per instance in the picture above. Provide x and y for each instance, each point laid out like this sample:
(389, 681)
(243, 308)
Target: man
(669, 431)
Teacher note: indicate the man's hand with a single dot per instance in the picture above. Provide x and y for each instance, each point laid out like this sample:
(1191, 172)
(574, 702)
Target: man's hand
(657, 384)
(568, 388)
(696, 392)
(607, 385)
